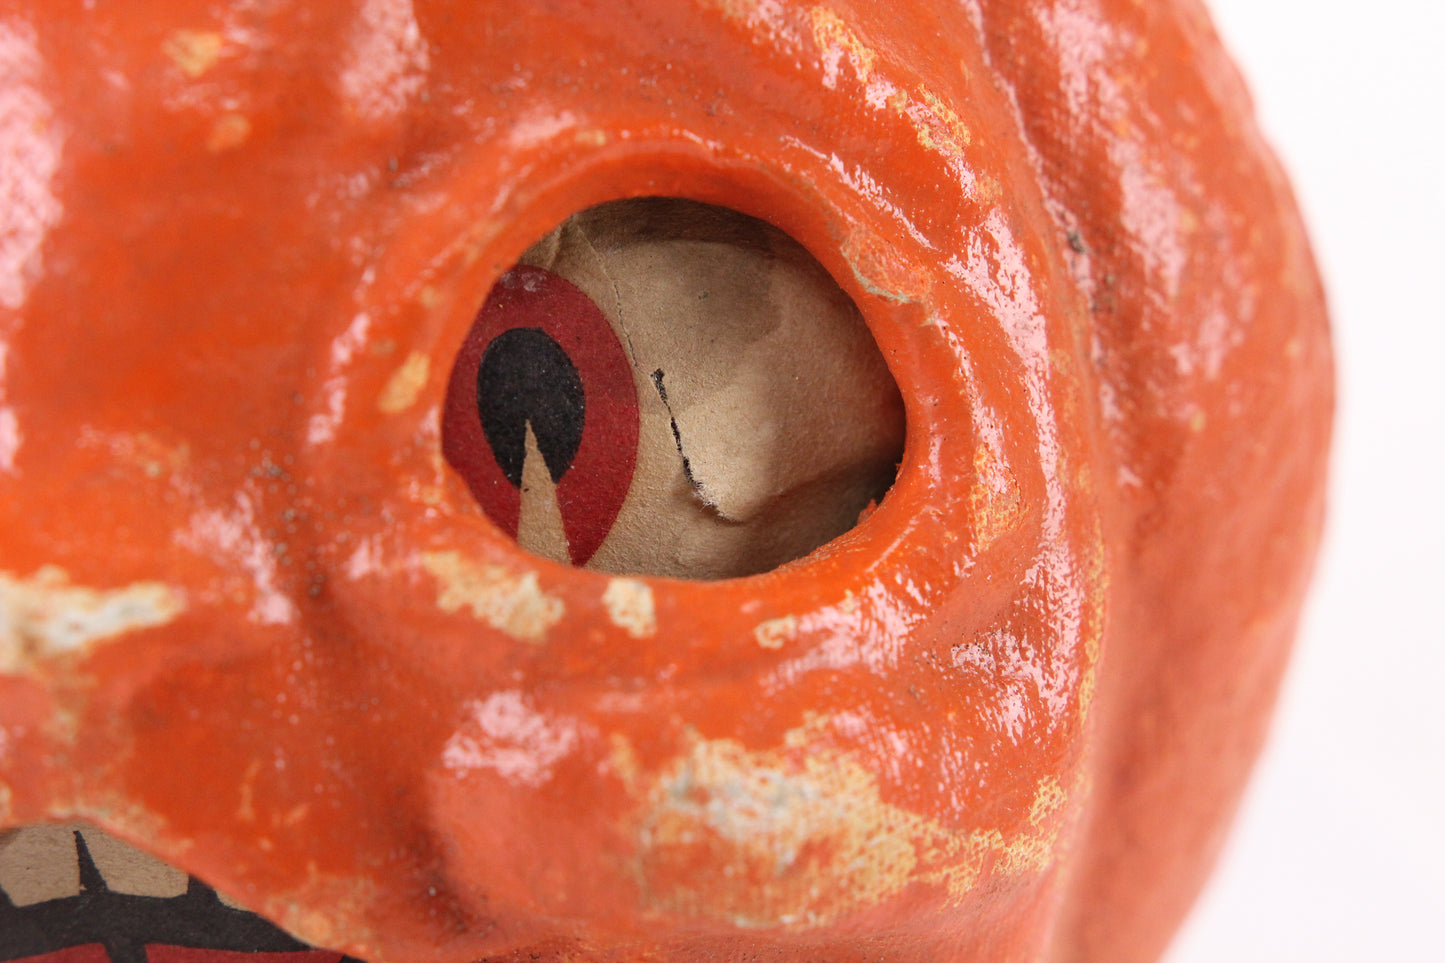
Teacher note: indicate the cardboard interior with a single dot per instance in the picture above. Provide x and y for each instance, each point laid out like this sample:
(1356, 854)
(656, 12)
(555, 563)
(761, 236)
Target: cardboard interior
(768, 418)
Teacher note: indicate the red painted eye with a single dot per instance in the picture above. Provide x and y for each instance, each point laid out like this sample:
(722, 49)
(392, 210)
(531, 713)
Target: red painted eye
(541, 413)
(662, 387)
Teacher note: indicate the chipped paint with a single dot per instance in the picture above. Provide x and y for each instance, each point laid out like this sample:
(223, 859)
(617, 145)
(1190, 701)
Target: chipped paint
(837, 42)
(31, 144)
(232, 536)
(1032, 851)
(387, 61)
(321, 428)
(767, 18)
(806, 834)
(9, 421)
(9, 439)
(630, 607)
(937, 126)
(775, 633)
(514, 604)
(994, 499)
(507, 735)
(45, 616)
(194, 51)
(405, 384)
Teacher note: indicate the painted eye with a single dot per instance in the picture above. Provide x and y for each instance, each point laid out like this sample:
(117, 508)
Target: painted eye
(541, 416)
(664, 387)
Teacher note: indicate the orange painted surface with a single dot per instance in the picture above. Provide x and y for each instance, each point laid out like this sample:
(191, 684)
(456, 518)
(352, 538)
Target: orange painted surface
(258, 626)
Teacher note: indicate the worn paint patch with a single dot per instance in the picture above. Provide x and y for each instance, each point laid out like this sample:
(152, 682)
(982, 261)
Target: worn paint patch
(765, 17)
(507, 735)
(194, 51)
(405, 384)
(139, 451)
(44, 616)
(232, 537)
(31, 145)
(775, 633)
(387, 61)
(630, 606)
(837, 42)
(514, 604)
(806, 835)
(994, 500)
(1032, 851)
(937, 126)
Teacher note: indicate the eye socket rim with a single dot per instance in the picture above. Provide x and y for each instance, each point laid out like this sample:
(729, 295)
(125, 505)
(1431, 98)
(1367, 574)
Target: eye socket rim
(650, 220)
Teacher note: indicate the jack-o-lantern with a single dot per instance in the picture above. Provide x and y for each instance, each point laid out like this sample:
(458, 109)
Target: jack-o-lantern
(262, 610)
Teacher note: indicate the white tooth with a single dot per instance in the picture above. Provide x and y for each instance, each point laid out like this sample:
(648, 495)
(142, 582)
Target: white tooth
(131, 871)
(229, 901)
(539, 526)
(38, 863)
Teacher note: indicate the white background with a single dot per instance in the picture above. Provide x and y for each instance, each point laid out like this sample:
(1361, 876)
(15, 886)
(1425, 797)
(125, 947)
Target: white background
(1339, 853)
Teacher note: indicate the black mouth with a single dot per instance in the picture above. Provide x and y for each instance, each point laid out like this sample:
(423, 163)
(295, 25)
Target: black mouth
(98, 925)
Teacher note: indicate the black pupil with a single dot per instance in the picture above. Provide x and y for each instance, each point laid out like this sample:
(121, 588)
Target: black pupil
(526, 378)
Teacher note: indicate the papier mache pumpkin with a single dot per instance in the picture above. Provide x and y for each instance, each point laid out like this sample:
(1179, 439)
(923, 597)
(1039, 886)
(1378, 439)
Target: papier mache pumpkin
(716, 480)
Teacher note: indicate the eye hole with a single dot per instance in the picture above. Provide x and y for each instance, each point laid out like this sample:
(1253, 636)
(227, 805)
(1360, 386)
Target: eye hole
(665, 387)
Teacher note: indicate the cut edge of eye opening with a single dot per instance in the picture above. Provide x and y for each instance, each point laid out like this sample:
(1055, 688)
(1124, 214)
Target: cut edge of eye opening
(664, 387)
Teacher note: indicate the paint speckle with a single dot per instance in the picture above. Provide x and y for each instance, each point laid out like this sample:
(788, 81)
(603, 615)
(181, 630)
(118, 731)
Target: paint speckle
(194, 51)
(775, 633)
(228, 132)
(630, 607)
(514, 604)
(44, 615)
(405, 384)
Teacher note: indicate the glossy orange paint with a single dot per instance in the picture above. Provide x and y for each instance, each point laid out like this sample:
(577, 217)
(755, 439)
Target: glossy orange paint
(254, 623)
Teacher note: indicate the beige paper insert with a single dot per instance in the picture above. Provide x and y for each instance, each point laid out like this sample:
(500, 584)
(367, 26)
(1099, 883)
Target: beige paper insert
(769, 420)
